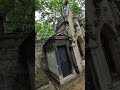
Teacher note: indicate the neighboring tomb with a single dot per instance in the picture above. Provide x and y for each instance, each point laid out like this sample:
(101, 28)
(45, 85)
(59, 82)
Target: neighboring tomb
(16, 58)
(102, 45)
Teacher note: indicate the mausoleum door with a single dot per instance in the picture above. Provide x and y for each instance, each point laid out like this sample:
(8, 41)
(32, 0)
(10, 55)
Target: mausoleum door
(64, 58)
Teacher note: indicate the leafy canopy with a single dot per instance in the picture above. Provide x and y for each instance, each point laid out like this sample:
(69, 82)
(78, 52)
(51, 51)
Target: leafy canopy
(19, 14)
(49, 11)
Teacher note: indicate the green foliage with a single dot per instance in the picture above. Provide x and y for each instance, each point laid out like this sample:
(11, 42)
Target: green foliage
(49, 11)
(37, 5)
(19, 14)
(6, 5)
(44, 30)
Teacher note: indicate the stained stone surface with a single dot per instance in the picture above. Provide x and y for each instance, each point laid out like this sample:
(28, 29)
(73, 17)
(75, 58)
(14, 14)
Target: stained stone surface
(40, 65)
(40, 78)
(40, 59)
(13, 71)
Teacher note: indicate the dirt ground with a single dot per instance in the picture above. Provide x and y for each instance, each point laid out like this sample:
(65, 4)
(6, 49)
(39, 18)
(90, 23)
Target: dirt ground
(78, 84)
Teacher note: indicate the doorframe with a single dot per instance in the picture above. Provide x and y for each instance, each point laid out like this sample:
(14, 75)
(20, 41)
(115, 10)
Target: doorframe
(73, 70)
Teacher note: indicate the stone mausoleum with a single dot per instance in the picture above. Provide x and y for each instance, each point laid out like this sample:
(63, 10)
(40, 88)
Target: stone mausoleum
(17, 55)
(102, 45)
(65, 51)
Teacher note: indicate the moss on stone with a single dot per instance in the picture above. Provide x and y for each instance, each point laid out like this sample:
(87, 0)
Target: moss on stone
(40, 74)
(40, 78)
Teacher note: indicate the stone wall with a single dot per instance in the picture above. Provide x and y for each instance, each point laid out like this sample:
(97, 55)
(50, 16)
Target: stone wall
(40, 65)
(13, 69)
(40, 59)
(7, 63)
(38, 52)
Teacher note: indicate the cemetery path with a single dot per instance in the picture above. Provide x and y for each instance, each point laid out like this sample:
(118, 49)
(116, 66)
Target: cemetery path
(79, 84)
